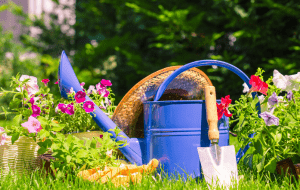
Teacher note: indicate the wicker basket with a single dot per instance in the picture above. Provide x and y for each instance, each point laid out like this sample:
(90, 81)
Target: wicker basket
(20, 157)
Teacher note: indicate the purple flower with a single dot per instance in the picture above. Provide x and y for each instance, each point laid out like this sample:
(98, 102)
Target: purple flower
(88, 106)
(106, 82)
(62, 107)
(80, 96)
(70, 109)
(289, 95)
(269, 118)
(273, 99)
(35, 110)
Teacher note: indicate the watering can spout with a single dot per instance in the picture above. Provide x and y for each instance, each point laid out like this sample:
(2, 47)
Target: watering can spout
(68, 79)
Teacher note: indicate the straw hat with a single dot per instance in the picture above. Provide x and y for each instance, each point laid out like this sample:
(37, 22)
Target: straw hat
(129, 114)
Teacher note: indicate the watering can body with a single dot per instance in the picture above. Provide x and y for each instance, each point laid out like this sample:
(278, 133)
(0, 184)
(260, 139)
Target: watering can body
(173, 129)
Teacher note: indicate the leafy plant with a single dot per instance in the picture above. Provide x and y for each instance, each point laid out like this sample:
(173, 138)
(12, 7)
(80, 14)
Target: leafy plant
(276, 128)
(73, 154)
(47, 120)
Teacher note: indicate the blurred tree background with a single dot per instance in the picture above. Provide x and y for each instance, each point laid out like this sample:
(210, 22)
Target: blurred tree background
(124, 41)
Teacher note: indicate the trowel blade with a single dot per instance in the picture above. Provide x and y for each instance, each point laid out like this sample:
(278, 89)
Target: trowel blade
(218, 164)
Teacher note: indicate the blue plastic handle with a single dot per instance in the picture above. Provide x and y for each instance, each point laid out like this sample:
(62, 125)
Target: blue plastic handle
(232, 68)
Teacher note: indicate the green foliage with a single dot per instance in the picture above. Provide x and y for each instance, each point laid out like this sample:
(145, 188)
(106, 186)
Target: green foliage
(272, 142)
(146, 36)
(73, 154)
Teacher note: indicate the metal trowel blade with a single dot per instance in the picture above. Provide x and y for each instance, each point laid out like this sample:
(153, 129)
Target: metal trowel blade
(218, 165)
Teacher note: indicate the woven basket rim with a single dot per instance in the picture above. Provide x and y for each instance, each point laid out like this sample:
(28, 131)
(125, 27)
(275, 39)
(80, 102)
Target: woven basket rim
(171, 68)
(131, 103)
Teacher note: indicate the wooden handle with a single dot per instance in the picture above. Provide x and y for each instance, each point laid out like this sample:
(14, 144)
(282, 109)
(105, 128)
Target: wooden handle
(211, 112)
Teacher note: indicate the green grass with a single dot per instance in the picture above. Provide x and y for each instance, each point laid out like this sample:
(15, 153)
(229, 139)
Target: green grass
(38, 180)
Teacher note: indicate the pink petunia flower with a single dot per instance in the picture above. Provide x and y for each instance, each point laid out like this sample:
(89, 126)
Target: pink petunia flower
(88, 106)
(103, 92)
(62, 107)
(31, 100)
(33, 125)
(35, 110)
(106, 93)
(70, 109)
(56, 82)
(106, 82)
(31, 86)
(82, 84)
(3, 136)
(99, 87)
(45, 81)
(80, 96)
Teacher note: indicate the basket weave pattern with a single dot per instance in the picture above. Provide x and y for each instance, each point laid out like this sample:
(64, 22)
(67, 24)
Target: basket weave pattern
(189, 85)
(20, 157)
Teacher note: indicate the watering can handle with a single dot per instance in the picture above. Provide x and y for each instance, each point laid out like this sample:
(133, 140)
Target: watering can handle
(232, 68)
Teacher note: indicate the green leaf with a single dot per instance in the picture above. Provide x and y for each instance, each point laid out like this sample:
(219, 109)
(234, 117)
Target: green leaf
(69, 158)
(82, 153)
(271, 165)
(60, 136)
(42, 120)
(14, 137)
(3, 7)
(93, 143)
(66, 146)
(278, 137)
(17, 120)
(248, 160)
(57, 128)
(260, 165)
(44, 133)
(216, 36)
(258, 147)
(238, 33)
(15, 103)
(42, 150)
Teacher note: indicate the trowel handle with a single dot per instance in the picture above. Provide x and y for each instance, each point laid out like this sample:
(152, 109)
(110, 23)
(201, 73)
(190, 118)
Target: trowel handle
(211, 112)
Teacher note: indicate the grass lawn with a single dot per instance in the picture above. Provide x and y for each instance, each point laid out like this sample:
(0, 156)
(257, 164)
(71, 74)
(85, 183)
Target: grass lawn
(38, 180)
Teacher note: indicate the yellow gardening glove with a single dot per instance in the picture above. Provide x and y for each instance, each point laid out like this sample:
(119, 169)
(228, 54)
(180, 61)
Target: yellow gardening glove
(119, 175)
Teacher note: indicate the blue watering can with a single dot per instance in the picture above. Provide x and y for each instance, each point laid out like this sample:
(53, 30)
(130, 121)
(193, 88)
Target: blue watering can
(172, 129)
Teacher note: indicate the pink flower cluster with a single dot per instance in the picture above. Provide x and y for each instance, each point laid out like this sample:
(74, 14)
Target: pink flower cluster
(66, 108)
(100, 88)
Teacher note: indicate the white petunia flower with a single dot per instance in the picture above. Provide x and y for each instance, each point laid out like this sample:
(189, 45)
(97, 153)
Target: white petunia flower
(293, 82)
(31, 86)
(279, 80)
(246, 88)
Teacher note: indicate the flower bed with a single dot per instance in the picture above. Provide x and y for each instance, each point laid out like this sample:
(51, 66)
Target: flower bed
(276, 127)
(51, 122)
